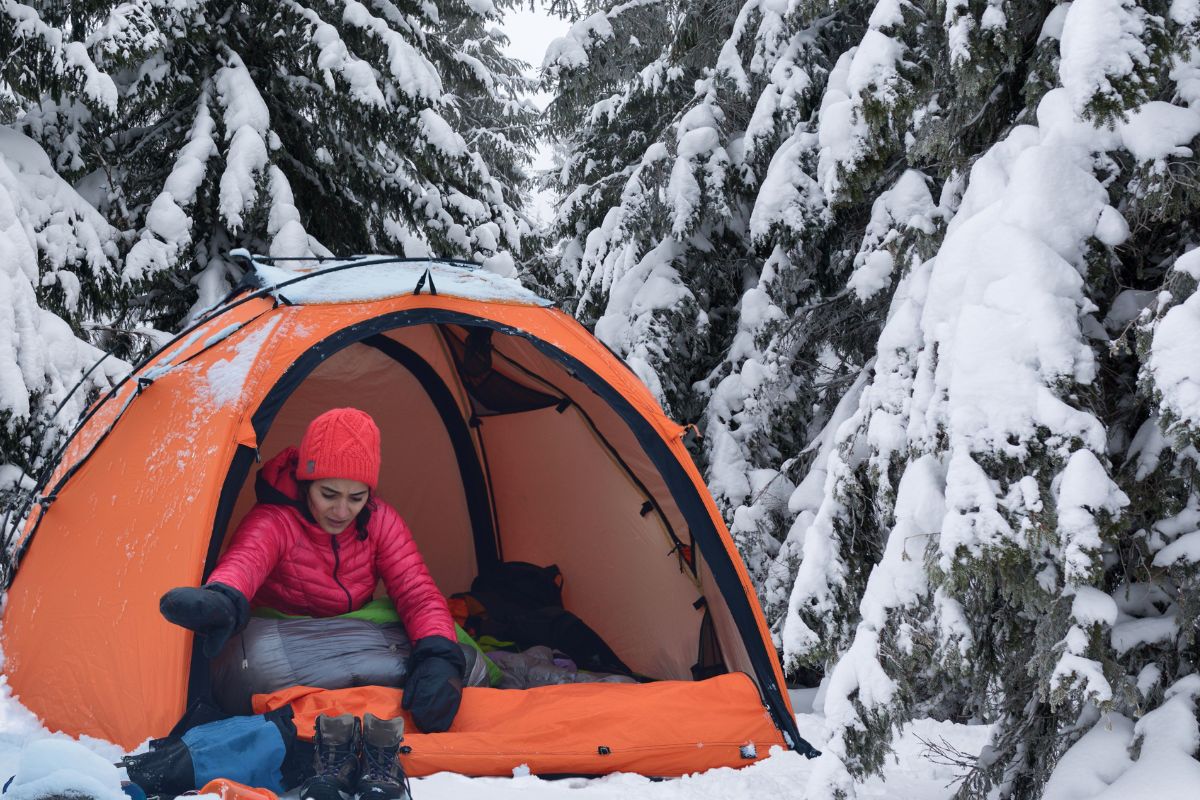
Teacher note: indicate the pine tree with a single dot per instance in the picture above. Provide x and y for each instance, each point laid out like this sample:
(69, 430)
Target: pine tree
(302, 129)
(58, 255)
(1004, 588)
(879, 252)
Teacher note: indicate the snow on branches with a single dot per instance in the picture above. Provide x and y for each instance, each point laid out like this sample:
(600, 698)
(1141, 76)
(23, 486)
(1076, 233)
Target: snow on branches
(907, 265)
(46, 231)
(310, 127)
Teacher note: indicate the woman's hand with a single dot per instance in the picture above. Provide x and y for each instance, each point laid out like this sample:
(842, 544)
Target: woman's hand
(215, 611)
(433, 689)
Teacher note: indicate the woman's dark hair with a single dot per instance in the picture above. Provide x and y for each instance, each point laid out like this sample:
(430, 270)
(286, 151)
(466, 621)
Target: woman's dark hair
(360, 521)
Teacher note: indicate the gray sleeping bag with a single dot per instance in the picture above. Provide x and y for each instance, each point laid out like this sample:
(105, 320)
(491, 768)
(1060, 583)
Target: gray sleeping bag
(330, 653)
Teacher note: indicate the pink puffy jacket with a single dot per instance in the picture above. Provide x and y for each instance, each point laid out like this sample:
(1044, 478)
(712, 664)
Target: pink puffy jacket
(280, 560)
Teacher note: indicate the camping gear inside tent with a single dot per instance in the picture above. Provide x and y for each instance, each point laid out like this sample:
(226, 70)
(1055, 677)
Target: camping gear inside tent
(509, 434)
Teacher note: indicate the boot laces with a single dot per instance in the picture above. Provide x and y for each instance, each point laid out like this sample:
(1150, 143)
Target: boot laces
(381, 764)
(332, 758)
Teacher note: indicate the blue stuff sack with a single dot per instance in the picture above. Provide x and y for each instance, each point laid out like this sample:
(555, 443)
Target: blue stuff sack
(251, 750)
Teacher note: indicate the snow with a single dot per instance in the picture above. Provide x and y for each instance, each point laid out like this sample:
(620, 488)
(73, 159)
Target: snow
(225, 380)
(413, 73)
(805, 503)
(874, 63)
(45, 762)
(67, 56)
(1186, 549)
(335, 56)
(1167, 739)
(1137, 632)
(1083, 489)
(859, 685)
(43, 219)
(247, 122)
(868, 71)
(1185, 12)
(886, 14)
(438, 133)
(908, 205)
(839, 133)
(700, 164)
(1189, 264)
(1101, 43)
(1094, 762)
(1157, 130)
(638, 288)
(63, 767)
(1005, 295)
(288, 237)
(1093, 607)
(1128, 306)
(788, 84)
(788, 196)
(167, 219)
(1175, 360)
(1088, 672)
(1052, 28)
(188, 173)
(571, 51)
(1185, 72)
(377, 281)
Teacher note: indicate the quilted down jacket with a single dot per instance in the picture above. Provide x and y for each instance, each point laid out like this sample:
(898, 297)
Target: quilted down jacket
(280, 560)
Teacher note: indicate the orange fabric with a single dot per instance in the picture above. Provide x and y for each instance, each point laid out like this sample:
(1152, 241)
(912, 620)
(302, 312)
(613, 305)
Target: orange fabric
(664, 729)
(137, 518)
(232, 790)
(458, 610)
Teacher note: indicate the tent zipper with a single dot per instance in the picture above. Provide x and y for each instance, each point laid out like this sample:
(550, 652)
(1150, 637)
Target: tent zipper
(337, 561)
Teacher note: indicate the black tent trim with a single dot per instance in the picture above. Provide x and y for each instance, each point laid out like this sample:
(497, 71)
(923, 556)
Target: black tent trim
(476, 488)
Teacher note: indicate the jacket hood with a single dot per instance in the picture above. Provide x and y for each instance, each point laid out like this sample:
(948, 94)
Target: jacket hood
(276, 482)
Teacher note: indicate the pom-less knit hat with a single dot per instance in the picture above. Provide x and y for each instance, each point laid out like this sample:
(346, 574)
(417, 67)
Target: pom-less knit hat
(341, 443)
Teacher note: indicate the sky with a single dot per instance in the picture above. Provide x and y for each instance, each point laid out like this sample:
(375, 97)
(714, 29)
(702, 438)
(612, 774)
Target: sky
(529, 33)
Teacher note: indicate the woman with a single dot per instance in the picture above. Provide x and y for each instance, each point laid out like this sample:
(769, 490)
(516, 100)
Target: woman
(316, 544)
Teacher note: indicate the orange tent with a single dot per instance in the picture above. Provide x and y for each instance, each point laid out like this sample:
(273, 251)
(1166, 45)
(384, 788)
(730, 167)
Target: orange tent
(509, 433)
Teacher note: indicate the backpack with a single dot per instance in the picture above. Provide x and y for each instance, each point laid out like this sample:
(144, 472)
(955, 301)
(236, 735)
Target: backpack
(522, 603)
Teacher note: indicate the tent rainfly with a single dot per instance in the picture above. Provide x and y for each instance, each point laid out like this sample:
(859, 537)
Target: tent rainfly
(509, 433)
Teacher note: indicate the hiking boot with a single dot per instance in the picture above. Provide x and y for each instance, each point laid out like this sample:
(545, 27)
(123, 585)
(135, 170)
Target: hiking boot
(382, 777)
(337, 741)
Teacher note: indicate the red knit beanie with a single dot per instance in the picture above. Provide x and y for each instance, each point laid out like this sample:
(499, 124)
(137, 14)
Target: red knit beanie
(341, 443)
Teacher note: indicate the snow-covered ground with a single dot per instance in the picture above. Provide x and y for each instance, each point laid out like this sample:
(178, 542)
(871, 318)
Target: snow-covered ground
(47, 763)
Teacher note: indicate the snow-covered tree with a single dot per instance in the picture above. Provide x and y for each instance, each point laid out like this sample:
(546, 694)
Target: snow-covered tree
(1011, 561)
(891, 256)
(58, 255)
(299, 129)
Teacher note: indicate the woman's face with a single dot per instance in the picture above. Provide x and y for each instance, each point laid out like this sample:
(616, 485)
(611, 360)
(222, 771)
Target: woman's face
(335, 502)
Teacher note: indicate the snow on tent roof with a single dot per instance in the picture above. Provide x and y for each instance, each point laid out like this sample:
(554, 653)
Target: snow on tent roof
(370, 278)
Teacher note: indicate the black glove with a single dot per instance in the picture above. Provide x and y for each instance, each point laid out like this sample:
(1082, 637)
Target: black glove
(434, 686)
(215, 611)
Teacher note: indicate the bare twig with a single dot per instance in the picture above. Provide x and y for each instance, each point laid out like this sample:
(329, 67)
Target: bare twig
(945, 754)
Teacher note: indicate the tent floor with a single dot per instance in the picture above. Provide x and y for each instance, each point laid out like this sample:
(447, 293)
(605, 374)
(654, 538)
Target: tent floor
(662, 729)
